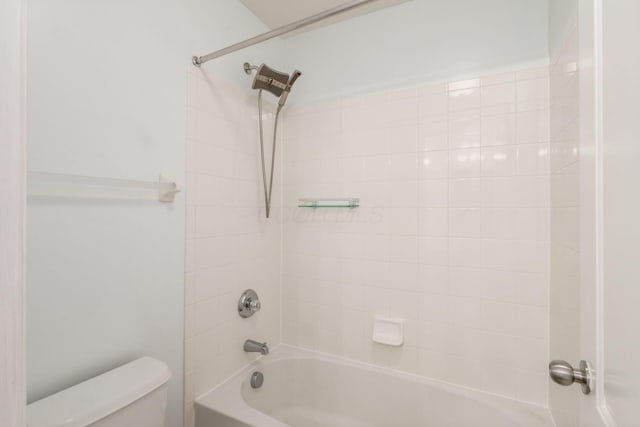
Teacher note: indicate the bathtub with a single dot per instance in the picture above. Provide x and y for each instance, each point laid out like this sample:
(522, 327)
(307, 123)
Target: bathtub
(306, 389)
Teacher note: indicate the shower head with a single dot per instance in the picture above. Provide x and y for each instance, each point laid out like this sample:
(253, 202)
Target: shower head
(290, 82)
(270, 80)
(276, 82)
(293, 78)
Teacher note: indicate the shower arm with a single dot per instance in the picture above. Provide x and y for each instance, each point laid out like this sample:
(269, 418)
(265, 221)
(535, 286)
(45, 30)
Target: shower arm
(199, 60)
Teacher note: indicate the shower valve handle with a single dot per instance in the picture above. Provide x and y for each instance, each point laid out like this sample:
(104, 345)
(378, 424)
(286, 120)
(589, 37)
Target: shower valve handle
(254, 305)
(248, 303)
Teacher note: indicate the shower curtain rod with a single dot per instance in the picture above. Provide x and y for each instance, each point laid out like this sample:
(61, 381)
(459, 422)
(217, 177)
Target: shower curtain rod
(199, 60)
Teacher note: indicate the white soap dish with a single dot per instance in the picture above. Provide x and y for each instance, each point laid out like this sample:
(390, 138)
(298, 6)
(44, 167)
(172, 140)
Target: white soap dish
(388, 331)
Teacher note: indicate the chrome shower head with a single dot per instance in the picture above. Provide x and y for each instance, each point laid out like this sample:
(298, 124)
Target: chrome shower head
(294, 77)
(290, 82)
(276, 82)
(279, 84)
(270, 80)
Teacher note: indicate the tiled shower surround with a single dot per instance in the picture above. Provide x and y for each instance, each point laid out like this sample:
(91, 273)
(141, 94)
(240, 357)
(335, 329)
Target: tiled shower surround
(230, 245)
(452, 234)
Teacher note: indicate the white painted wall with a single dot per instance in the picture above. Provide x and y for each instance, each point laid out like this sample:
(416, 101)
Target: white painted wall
(108, 97)
(12, 209)
(419, 41)
(561, 19)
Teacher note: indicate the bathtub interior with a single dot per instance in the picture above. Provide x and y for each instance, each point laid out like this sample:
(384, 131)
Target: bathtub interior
(315, 393)
(205, 417)
(306, 390)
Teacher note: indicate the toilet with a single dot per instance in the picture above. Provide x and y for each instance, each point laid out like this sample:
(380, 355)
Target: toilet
(132, 395)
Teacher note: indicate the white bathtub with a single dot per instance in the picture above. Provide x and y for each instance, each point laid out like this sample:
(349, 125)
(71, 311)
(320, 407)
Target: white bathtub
(307, 389)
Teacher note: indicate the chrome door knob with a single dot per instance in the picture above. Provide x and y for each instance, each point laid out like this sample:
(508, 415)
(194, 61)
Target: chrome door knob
(562, 373)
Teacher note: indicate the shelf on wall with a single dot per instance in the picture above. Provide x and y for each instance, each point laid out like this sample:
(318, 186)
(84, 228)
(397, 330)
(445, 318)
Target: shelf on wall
(348, 202)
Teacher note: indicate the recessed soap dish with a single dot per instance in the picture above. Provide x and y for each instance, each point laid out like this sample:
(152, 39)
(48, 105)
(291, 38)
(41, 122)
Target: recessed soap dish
(388, 331)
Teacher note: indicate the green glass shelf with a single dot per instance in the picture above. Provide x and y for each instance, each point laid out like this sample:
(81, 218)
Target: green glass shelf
(339, 203)
(327, 206)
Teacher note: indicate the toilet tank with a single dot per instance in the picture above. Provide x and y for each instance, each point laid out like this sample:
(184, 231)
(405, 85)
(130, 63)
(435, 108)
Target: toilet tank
(134, 394)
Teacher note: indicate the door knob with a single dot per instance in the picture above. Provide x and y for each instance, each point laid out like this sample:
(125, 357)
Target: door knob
(563, 373)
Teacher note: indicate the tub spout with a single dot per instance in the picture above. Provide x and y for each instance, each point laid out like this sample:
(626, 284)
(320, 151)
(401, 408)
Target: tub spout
(251, 346)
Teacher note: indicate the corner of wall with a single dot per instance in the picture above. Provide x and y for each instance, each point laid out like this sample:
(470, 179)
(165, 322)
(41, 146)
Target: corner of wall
(565, 212)
(12, 208)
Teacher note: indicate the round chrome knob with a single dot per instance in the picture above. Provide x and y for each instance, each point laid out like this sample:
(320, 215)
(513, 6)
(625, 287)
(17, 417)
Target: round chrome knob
(563, 373)
(248, 303)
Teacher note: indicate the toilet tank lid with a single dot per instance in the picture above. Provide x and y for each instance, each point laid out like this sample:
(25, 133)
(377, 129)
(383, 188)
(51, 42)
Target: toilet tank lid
(100, 396)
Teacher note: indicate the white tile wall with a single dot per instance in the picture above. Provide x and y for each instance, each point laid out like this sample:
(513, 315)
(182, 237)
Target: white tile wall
(452, 233)
(230, 245)
(565, 220)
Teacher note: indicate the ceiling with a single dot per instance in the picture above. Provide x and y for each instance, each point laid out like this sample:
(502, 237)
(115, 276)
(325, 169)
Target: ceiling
(276, 13)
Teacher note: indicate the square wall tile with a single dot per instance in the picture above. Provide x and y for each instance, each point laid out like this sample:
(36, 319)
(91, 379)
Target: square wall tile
(434, 165)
